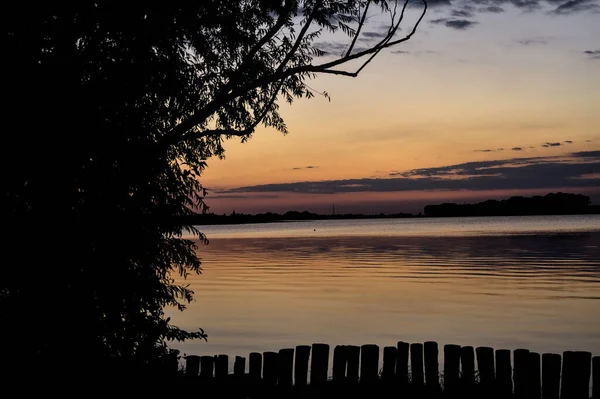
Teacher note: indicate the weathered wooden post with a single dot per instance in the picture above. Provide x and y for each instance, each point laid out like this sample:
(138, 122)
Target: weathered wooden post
(221, 367)
(301, 365)
(535, 377)
(416, 363)
(270, 368)
(339, 364)
(504, 381)
(239, 367)
(521, 374)
(432, 371)
(596, 377)
(551, 376)
(319, 364)
(485, 365)
(192, 366)
(352, 357)
(451, 368)
(207, 367)
(285, 364)
(576, 375)
(467, 362)
(389, 363)
(369, 363)
(402, 363)
(255, 366)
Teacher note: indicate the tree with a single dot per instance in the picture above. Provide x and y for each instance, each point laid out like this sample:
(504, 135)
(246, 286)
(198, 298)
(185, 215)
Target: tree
(116, 108)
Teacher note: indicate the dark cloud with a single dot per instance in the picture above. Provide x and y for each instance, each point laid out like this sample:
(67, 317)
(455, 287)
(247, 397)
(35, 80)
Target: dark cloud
(374, 34)
(575, 6)
(569, 141)
(547, 144)
(486, 150)
(586, 154)
(493, 9)
(593, 54)
(576, 170)
(305, 167)
(517, 149)
(336, 48)
(458, 24)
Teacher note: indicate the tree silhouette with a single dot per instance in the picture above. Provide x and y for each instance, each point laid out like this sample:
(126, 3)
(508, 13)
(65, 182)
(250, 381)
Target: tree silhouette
(115, 108)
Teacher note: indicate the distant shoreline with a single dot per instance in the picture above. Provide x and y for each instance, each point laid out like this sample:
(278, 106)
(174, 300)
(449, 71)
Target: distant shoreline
(550, 204)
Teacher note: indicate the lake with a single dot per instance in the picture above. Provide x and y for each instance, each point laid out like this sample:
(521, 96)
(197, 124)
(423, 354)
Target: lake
(506, 282)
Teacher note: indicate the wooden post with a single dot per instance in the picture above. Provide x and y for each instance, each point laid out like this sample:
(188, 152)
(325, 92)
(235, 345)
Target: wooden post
(207, 367)
(402, 363)
(270, 368)
(301, 365)
(485, 365)
(576, 375)
(451, 368)
(369, 364)
(551, 376)
(319, 364)
(432, 371)
(239, 367)
(221, 367)
(339, 363)
(521, 374)
(596, 377)
(535, 383)
(467, 361)
(285, 363)
(416, 363)
(504, 381)
(389, 363)
(352, 357)
(192, 366)
(255, 366)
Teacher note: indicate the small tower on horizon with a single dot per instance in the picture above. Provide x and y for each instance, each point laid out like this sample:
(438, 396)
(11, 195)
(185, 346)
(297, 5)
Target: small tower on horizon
(333, 209)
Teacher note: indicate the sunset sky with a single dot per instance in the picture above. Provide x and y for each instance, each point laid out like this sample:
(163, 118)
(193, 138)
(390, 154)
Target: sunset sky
(491, 98)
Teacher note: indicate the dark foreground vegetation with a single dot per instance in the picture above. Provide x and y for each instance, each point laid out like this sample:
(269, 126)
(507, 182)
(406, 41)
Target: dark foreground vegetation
(112, 110)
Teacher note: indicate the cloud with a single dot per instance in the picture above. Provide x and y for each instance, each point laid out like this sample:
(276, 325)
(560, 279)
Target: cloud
(416, 53)
(533, 41)
(574, 6)
(579, 169)
(517, 149)
(593, 54)
(547, 144)
(458, 24)
(375, 34)
(492, 9)
(569, 141)
(305, 167)
(462, 13)
(490, 150)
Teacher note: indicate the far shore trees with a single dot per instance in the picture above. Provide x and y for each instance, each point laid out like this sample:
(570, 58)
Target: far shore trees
(111, 111)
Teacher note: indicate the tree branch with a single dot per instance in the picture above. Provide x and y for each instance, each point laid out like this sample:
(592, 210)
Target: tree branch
(360, 25)
(178, 132)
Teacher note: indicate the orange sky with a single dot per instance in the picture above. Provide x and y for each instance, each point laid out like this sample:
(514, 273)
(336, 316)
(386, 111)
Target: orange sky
(512, 79)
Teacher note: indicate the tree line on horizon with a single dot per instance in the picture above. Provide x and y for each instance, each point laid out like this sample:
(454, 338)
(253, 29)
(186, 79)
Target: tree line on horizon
(550, 204)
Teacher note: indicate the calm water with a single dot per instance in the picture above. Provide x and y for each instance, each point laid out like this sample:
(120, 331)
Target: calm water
(506, 282)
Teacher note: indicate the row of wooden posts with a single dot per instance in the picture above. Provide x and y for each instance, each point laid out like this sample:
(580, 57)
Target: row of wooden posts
(528, 376)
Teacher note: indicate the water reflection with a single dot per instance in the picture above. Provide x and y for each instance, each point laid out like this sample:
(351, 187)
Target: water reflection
(513, 290)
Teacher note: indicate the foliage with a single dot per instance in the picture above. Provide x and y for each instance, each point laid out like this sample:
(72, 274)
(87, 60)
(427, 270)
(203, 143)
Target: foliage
(115, 108)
